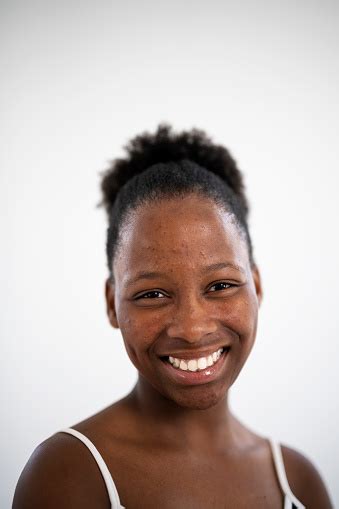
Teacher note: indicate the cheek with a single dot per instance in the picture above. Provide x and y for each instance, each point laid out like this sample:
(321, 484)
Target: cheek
(139, 331)
(247, 319)
(241, 314)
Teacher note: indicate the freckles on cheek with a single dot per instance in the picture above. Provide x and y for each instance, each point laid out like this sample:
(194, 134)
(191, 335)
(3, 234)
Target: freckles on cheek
(242, 317)
(250, 313)
(136, 323)
(138, 335)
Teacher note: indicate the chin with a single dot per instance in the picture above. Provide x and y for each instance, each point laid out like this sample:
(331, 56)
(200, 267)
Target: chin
(196, 400)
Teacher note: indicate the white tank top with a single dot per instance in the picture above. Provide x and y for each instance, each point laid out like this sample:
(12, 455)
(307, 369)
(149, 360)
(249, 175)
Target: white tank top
(290, 501)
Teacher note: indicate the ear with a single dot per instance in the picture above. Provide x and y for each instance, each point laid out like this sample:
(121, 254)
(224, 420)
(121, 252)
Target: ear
(257, 283)
(110, 303)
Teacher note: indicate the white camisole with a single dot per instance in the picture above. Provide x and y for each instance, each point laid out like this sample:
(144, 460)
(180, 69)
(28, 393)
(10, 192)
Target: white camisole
(290, 501)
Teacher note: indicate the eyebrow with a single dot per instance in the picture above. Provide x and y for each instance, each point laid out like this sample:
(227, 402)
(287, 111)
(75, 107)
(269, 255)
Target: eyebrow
(209, 268)
(223, 265)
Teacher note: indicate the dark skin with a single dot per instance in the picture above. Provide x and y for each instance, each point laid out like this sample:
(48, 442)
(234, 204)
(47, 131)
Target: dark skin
(170, 444)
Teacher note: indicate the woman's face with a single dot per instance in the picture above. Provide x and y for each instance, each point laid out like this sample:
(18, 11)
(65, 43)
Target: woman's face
(183, 290)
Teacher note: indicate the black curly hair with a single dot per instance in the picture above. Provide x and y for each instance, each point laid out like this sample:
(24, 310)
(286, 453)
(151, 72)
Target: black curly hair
(166, 165)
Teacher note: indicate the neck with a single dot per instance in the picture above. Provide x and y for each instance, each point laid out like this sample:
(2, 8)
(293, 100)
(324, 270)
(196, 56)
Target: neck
(163, 418)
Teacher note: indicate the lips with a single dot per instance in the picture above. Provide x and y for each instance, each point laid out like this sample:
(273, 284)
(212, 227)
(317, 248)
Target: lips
(192, 370)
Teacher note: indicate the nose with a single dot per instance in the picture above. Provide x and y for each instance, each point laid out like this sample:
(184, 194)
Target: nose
(191, 321)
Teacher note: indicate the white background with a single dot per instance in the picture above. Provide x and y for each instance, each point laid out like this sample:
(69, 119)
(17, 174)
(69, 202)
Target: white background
(79, 79)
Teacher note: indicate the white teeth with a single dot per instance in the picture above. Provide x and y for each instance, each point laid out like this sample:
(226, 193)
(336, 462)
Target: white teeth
(202, 363)
(183, 365)
(196, 364)
(192, 365)
(209, 360)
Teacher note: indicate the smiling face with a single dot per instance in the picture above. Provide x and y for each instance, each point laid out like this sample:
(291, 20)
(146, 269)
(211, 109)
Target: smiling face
(184, 290)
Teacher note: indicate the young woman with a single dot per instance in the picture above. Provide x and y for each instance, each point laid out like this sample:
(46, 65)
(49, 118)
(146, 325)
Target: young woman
(184, 290)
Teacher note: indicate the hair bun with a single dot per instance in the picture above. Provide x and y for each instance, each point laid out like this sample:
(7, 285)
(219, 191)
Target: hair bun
(164, 146)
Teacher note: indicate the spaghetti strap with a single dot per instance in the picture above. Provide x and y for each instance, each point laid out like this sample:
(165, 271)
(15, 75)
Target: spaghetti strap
(291, 501)
(111, 488)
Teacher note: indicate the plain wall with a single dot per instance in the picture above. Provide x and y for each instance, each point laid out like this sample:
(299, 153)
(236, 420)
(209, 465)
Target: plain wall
(78, 80)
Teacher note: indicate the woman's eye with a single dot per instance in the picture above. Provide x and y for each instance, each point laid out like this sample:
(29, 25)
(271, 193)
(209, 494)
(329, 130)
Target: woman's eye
(220, 286)
(154, 294)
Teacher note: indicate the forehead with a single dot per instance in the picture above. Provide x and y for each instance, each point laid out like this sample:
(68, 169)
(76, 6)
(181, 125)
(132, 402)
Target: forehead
(179, 233)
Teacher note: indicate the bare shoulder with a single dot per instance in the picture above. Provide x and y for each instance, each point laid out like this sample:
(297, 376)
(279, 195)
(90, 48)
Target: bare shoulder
(305, 480)
(60, 473)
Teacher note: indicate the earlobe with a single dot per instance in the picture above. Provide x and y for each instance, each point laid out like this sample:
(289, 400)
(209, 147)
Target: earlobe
(110, 304)
(257, 283)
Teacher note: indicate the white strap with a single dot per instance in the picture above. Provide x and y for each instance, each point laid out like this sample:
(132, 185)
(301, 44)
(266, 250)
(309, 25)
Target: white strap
(111, 488)
(281, 472)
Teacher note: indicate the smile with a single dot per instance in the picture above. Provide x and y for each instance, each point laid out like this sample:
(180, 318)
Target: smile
(198, 364)
(191, 371)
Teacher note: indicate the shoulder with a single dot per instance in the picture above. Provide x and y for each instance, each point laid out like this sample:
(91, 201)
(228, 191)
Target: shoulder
(305, 480)
(60, 473)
